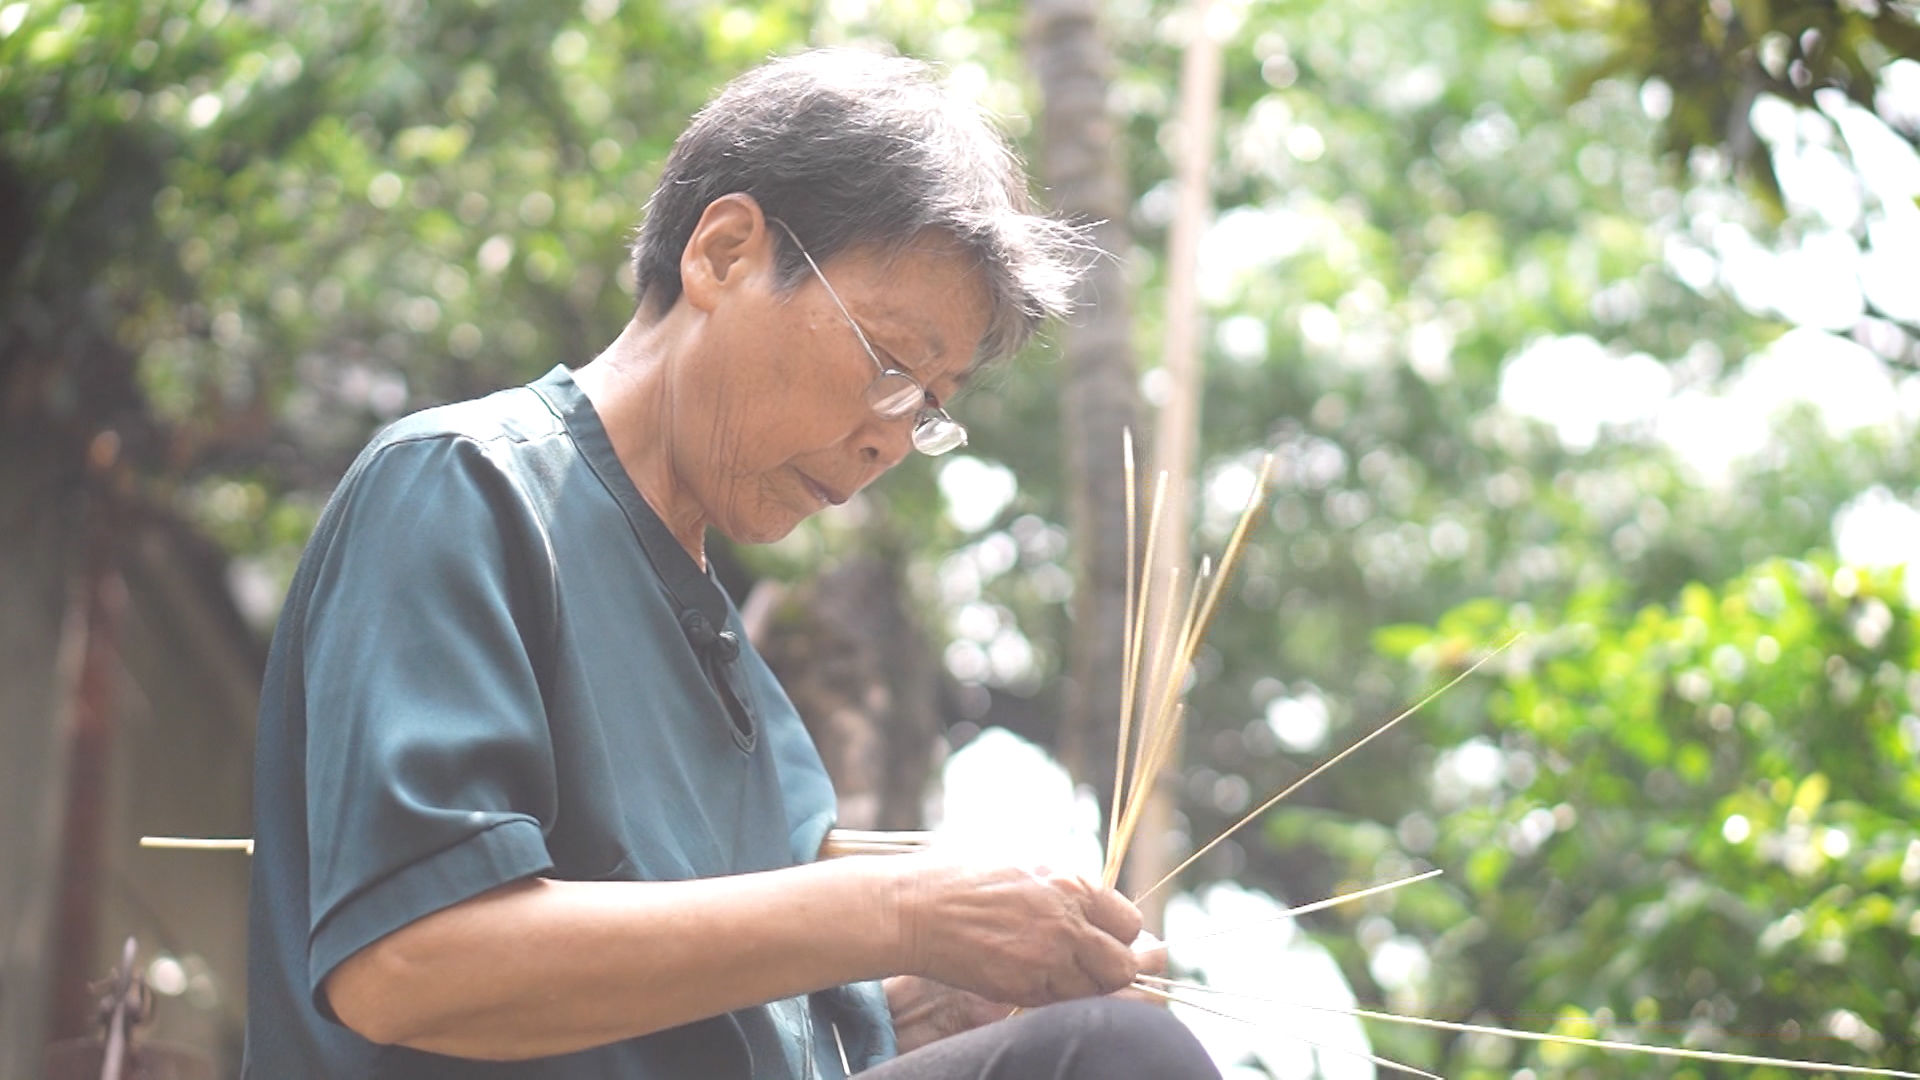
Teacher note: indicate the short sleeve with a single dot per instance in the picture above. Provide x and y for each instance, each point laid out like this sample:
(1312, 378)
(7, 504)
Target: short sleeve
(430, 775)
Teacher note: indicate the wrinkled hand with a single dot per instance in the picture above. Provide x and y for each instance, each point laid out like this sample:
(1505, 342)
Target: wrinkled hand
(926, 1011)
(1015, 936)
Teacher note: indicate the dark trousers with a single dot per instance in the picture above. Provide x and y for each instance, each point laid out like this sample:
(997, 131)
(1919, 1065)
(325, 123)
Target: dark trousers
(1094, 1039)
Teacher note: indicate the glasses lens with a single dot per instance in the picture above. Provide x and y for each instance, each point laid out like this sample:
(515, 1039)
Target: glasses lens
(935, 435)
(893, 395)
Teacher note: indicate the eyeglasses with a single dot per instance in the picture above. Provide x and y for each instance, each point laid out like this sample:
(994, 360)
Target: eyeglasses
(893, 394)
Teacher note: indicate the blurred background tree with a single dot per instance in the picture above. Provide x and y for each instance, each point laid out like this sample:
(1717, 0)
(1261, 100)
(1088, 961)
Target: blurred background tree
(1598, 321)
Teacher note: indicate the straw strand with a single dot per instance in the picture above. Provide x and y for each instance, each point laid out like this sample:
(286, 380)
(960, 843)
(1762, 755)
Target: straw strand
(1128, 662)
(1307, 909)
(1170, 985)
(1376, 1059)
(1324, 766)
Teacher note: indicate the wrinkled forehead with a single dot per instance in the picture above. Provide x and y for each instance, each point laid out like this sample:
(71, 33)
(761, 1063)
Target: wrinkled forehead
(929, 293)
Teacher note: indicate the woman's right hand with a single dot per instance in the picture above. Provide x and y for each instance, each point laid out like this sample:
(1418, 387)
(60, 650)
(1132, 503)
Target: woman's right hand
(1025, 937)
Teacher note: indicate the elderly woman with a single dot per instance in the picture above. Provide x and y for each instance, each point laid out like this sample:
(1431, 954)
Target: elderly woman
(528, 803)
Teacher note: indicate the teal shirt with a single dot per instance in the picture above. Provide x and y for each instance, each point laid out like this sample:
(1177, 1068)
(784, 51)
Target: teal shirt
(496, 663)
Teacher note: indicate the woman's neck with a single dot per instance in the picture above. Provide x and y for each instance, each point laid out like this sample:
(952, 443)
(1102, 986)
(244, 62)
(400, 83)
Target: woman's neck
(631, 388)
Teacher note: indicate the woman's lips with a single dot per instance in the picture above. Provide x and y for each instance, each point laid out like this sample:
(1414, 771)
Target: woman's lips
(820, 491)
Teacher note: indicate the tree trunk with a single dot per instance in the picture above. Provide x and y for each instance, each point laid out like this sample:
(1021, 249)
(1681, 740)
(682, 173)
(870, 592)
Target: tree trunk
(852, 657)
(1079, 163)
(37, 563)
(177, 691)
(88, 680)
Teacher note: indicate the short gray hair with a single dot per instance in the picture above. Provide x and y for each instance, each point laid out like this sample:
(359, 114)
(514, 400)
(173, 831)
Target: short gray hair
(854, 149)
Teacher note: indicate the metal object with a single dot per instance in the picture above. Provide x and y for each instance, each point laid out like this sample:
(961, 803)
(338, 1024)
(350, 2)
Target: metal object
(126, 1002)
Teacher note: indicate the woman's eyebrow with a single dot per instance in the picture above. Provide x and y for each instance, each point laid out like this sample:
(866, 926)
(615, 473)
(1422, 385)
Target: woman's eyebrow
(923, 332)
(890, 320)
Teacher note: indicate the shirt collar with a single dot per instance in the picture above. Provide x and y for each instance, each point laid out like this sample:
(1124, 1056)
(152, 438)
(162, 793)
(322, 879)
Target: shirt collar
(693, 589)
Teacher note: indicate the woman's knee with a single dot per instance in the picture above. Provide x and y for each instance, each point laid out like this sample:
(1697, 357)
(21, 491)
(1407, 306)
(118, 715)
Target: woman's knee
(1108, 1039)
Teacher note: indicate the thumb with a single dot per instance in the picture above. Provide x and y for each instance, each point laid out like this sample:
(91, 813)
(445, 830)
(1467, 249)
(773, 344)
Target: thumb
(1150, 953)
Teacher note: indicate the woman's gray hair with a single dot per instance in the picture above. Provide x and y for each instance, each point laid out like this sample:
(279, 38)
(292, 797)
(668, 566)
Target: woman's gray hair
(853, 149)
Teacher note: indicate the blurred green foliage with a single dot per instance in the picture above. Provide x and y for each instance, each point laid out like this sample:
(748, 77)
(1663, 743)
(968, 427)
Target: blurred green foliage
(1690, 822)
(1718, 57)
(243, 236)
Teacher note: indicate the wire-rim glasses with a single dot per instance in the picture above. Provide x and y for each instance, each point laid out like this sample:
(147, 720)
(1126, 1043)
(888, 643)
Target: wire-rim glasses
(893, 394)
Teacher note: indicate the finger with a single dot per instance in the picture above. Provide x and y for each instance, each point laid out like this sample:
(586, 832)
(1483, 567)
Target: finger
(1113, 913)
(1150, 954)
(975, 1011)
(1108, 963)
(1093, 975)
(1062, 985)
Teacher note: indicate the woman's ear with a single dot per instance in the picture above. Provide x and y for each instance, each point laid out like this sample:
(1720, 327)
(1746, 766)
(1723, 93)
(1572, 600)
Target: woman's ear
(730, 243)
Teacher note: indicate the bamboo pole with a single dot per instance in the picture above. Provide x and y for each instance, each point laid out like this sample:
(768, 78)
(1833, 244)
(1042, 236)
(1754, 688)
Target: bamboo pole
(1177, 427)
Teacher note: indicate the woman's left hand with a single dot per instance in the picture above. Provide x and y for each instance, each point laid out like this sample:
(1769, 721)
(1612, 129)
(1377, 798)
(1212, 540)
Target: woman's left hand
(926, 1011)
